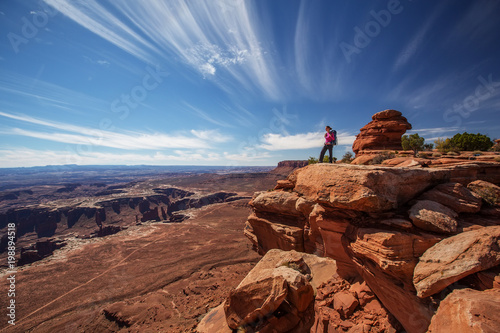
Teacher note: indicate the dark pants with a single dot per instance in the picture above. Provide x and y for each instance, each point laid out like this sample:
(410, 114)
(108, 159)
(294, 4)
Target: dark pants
(323, 151)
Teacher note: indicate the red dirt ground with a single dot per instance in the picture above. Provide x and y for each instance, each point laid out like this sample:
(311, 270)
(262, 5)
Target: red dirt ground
(149, 278)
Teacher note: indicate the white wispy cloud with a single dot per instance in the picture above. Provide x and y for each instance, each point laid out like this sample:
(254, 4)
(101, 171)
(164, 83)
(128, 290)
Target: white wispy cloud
(247, 156)
(416, 41)
(205, 115)
(479, 20)
(27, 157)
(41, 92)
(312, 52)
(207, 57)
(432, 134)
(101, 62)
(73, 134)
(200, 34)
(275, 142)
(99, 20)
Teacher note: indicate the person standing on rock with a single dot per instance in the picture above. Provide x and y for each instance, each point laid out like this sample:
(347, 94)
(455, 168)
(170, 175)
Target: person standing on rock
(330, 141)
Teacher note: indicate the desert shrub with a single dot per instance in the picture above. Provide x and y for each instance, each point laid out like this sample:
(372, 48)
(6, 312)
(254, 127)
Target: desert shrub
(497, 159)
(428, 146)
(470, 142)
(347, 158)
(445, 146)
(477, 152)
(381, 157)
(314, 160)
(412, 142)
(452, 153)
(495, 147)
(423, 155)
(437, 154)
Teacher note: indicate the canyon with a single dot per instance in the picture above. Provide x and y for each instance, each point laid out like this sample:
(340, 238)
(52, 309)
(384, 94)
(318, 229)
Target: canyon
(90, 253)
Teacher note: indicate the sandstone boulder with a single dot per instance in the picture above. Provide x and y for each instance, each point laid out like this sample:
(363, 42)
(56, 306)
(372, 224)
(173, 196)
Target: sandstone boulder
(395, 252)
(284, 184)
(268, 234)
(432, 216)
(412, 312)
(411, 163)
(468, 310)
(364, 159)
(277, 295)
(345, 303)
(214, 322)
(248, 305)
(280, 202)
(455, 196)
(456, 257)
(401, 161)
(362, 188)
(383, 132)
(488, 191)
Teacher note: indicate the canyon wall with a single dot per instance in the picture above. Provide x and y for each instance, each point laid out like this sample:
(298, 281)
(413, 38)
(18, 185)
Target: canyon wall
(396, 231)
(41, 230)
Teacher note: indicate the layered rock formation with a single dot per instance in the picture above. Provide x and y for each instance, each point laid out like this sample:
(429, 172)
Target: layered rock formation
(388, 229)
(382, 133)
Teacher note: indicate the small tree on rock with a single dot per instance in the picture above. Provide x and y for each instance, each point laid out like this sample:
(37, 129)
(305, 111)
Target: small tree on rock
(347, 158)
(412, 142)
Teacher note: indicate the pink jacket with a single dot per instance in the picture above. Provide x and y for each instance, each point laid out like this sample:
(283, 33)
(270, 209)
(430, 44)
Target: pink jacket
(329, 138)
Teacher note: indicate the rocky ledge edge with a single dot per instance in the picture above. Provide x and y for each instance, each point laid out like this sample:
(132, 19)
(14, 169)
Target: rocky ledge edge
(371, 249)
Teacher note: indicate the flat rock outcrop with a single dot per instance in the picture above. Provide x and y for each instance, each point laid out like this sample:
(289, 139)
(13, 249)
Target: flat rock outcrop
(432, 216)
(468, 310)
(361, 216)
(456, 257)
(488, 191)
(384, 132)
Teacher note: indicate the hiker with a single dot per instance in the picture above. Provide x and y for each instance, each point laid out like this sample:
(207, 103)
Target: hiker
(330, 141)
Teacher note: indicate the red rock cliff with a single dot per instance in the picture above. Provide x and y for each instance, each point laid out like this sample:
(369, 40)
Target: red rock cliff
(407, 235)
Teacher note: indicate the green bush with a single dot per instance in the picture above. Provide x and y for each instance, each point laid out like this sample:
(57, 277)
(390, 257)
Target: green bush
(314, 160)
(437, 154)
(428, 146)
(470, 142)
(445, 146)
(413, 142)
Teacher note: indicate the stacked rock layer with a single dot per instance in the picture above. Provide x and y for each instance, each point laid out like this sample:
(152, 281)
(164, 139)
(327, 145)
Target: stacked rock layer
(384, 132)
(407, 236)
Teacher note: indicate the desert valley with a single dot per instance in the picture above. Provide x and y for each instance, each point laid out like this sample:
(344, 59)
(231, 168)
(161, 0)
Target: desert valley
(407, 244)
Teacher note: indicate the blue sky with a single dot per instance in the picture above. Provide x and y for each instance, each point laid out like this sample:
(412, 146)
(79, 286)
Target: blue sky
(236, 82)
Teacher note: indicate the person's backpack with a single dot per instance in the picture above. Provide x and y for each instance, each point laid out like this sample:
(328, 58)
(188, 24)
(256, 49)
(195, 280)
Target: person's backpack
(334, 134)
